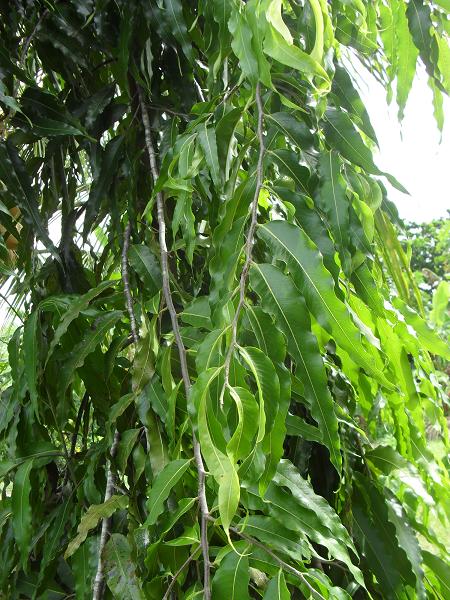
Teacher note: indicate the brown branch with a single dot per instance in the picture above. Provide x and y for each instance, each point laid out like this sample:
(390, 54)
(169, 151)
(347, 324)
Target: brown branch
(126, 283)
(180, 570)
(249, 242)
(99, 581)
(181, 349)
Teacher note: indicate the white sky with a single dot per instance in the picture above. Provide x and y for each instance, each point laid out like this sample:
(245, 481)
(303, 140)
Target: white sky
(413, 151)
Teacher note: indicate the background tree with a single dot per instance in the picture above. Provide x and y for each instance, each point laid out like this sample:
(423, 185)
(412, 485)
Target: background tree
(220, 386)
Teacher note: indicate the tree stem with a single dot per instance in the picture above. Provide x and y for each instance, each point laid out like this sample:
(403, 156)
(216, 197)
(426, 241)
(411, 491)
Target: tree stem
(181, 349)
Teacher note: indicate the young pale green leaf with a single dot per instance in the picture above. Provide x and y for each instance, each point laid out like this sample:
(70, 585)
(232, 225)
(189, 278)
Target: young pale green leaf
(228, 497)
(280, 298)
(277, 588)
(21, 509)
(120, 569)
(162, 486)
(241, 442)
(273, 443)
(304, 261)
(287, 54)
(232, 578)
(268, 387)
(94, 514)
(90, 341)
(146, 265)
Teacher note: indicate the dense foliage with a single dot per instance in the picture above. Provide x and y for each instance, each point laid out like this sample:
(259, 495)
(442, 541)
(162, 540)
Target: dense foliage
(223, 379)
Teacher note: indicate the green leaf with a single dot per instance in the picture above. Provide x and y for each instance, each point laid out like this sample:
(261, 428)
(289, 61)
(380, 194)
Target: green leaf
(143, 367)
(228, 497)
(207, 139)
(14, 175)
(84, 563)
(304, 261)
(120, 570)
(31, 334)
(440, 571)
(277, 588)
(127, 442)
(73, 311)
(92, 517)
(268, 387)
(90, 341)
(343, 137)
(103, 180)
(289, 165)
(21, 510)
(270, 339)
(292, 128)
(241, 442)
(242, 45)
(280, 298)
(162, 486)
(232, 578)
(198, 313)
(297, 426)
(287, 54)
(441, 298)
(146, 265)
(174, 15)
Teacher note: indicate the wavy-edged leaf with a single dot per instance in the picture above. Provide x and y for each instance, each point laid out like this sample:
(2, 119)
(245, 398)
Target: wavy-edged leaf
(242, 45)
(14, 175)
(305, 264)
(73, 311)
(92, 517)
(162, 486)
(90, 341)
(342, 136)
(280, 298)
(21, 509)
(232, 578)
(120, 569)
(31, 334)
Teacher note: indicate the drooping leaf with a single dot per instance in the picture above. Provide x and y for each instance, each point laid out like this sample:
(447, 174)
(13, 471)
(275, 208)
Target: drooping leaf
(162, 486)
(120, 569)
(232, 578)
(21, 509)
(91, 519)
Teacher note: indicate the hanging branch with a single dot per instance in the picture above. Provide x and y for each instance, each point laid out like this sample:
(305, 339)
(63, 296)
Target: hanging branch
(99, 581)
(181, 349)
(126, 283)
(249, 242)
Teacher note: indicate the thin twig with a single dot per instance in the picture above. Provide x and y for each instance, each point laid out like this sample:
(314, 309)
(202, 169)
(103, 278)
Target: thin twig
(99, 581)
(126, 282)
(27, 42)
(249, 242)
(181, 349)
(284, 565)
(180, 570)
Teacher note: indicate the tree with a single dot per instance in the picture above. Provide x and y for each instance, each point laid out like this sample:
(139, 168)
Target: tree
(219, 384)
